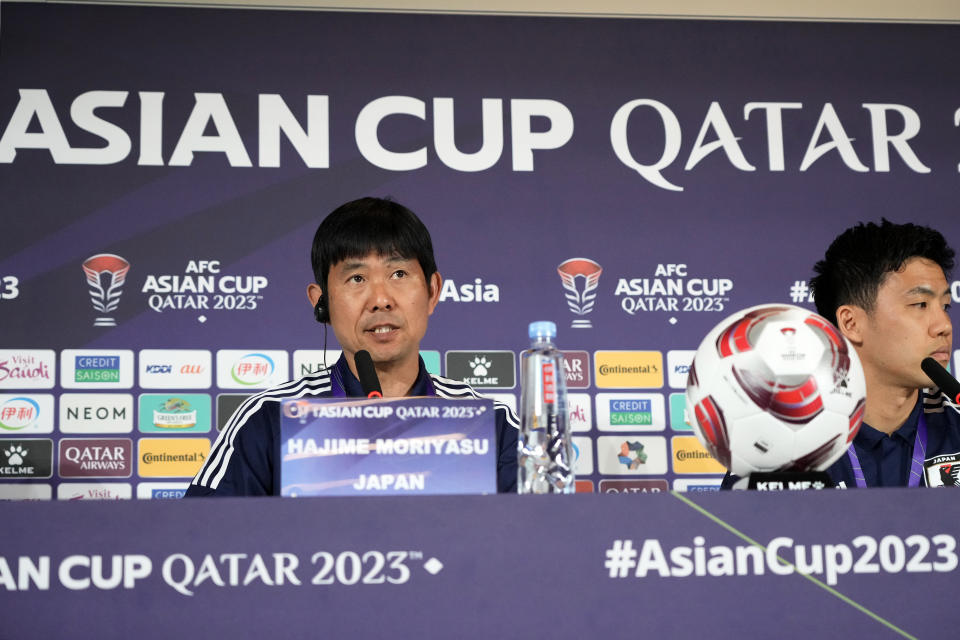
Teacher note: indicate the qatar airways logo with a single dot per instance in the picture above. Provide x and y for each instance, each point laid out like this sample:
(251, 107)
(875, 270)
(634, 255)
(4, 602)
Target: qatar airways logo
(580, 277)
(106, 274)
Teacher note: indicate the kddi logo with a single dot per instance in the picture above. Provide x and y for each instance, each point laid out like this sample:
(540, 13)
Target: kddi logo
(482, 368)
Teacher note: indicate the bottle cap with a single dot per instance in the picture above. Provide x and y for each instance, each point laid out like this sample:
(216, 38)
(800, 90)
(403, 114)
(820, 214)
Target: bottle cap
(542, 329)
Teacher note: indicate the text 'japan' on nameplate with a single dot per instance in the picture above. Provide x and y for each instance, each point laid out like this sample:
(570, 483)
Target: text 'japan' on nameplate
(387, 446)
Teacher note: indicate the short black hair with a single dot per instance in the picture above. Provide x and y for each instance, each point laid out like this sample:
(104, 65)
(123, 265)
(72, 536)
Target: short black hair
(859, 259)
(359, 227)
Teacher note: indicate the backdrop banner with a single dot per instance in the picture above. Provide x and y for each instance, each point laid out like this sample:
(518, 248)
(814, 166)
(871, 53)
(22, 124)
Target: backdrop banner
(163, 171)
(795, 565)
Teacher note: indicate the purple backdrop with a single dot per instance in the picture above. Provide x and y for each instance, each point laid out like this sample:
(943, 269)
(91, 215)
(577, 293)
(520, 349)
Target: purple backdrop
(739, 217)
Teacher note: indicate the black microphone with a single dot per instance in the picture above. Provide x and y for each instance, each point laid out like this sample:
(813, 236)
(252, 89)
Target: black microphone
(367, 374)
(940, 377)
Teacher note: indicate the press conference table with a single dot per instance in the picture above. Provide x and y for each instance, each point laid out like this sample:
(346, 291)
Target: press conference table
(881, 562)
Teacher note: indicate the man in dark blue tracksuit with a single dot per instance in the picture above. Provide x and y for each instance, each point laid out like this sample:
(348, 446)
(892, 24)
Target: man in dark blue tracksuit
(376, 285)
(885, 287)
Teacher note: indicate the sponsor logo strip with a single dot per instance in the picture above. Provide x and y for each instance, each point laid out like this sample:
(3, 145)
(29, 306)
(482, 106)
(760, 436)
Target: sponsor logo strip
(26, 414)
(174, 413)
(175, 369)
(171, 457)
(482, 369)
(628, 369)
(629, 455)
(689, 456)
(27, 368)
(96, 369)
(95, 457)
(94, 491)
(630, 412)
(96, 413)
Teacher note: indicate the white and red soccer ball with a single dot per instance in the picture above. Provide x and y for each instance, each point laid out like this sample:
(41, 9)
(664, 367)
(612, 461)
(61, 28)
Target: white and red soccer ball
(775, 388)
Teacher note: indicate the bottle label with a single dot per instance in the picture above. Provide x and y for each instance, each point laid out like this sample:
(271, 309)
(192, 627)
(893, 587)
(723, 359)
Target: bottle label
(549, 383)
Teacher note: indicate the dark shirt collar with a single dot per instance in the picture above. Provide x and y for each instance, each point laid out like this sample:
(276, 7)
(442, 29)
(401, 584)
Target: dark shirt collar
(344, 383)
(868, 437)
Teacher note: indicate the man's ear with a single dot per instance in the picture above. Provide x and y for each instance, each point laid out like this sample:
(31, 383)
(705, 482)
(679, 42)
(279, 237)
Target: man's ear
(313, 293)
(851, 320)
(433, 287)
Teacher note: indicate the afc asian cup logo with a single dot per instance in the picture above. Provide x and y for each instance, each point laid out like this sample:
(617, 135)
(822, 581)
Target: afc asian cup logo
(106, 274)
(580, 277)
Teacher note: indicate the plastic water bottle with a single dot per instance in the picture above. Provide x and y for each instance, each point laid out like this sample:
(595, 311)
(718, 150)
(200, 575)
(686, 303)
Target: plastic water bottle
(545, 451)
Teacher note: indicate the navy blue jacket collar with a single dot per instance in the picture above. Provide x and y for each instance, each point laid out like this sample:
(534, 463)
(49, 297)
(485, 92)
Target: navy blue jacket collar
(868, 437)
(344, 383)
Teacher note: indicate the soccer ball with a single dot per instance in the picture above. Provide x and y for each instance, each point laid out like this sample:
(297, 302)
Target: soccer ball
(775, 388)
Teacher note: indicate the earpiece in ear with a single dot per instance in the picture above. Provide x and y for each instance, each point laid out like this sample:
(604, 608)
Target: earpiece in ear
(320, 310)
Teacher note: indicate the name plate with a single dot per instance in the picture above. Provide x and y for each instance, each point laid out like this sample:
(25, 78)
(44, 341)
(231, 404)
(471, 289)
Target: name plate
(387, 446)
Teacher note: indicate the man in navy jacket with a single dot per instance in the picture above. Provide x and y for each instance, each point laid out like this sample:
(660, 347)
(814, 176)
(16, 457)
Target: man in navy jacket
(885, 287)
(376, 284)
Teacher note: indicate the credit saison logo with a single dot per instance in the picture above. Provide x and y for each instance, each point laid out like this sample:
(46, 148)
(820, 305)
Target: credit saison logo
(29, 369)
(630, 412)
(96, 369)
(477, 291)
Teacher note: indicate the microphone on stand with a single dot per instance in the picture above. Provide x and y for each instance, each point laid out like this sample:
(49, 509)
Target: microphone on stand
(947, 383)
(367, 374)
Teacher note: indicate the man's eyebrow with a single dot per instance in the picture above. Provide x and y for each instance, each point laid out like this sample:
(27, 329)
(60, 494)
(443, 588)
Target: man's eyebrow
(349, 266)
(924, 290)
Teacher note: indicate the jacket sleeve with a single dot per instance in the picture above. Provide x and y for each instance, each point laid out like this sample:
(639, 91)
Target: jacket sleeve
(242, 460)
(507, 430)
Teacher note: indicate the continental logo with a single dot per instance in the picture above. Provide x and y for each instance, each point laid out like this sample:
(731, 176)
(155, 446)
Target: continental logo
(171, 457)
(628, 369)
(689, 456)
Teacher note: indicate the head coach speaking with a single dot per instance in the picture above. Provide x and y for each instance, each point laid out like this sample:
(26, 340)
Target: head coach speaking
(376, 284)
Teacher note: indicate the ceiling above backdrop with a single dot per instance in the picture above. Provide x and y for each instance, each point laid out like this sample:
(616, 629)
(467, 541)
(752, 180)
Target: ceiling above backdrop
(941, 11)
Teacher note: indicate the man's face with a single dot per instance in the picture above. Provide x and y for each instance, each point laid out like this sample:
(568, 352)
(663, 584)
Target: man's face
(381, 304)
(909, 323)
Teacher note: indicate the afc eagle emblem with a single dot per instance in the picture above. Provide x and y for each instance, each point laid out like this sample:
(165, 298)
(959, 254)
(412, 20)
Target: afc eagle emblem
(943, 471)
(580, 277)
